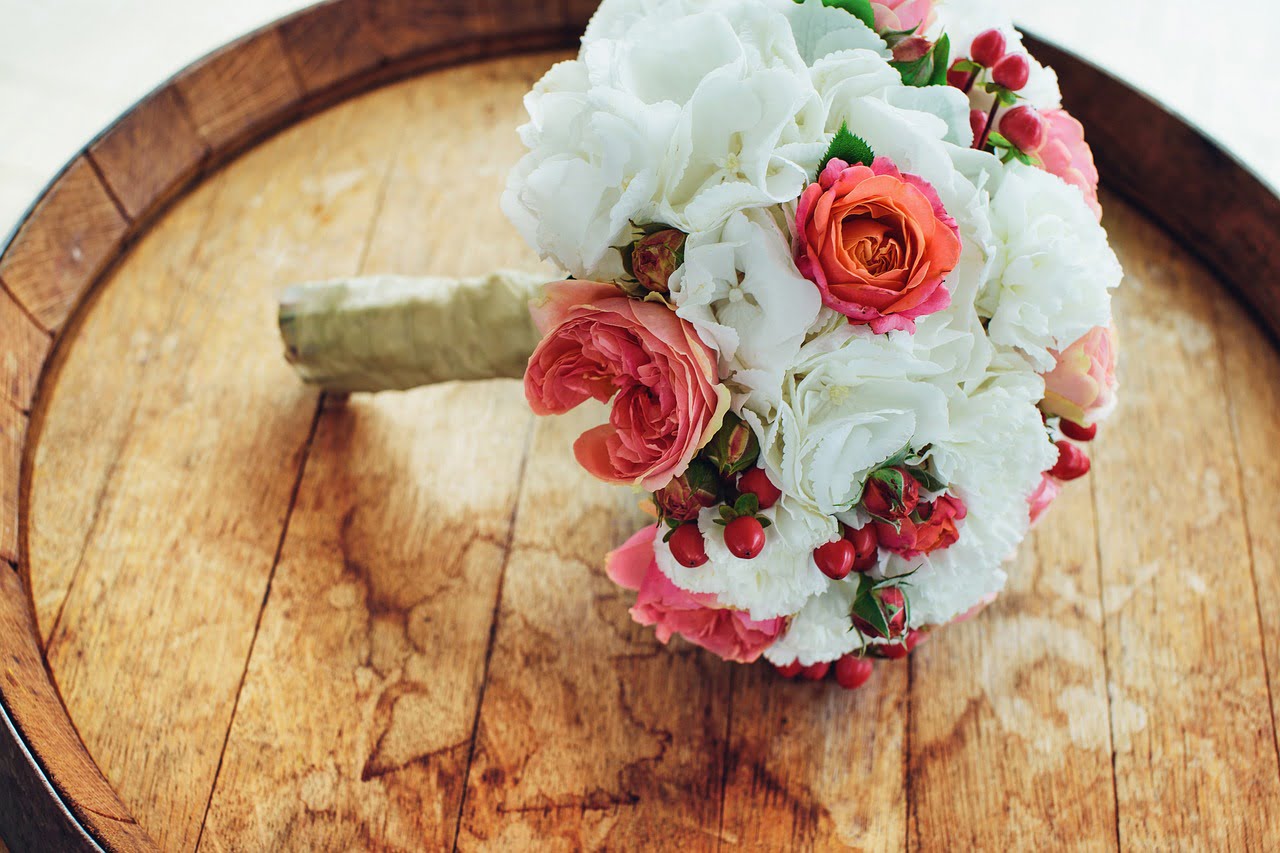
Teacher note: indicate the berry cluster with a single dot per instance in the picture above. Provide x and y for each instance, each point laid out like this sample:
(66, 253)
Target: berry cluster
(1022, 132)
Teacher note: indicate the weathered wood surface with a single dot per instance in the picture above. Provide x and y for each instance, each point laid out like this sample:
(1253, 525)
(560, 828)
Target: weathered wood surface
(435, 654)
(284, 623)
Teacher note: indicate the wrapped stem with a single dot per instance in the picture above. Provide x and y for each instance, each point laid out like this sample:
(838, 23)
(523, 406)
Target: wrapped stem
(388, 333)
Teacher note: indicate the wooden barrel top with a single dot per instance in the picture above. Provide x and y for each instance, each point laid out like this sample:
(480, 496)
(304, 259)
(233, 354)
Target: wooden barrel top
(244, 616)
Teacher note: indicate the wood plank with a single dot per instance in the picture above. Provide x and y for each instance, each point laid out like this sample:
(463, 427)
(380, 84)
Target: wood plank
(13, 435)
(365, 677)
(177, 562)
(24, 346)
(73, 232)
(591, 734)
(31, 704)
(812, 766)
(1192, 727)
(1010, 734)
(579, 12)
(240, 91)
(330, 42)
(90, 413)
(405, 27)
(1252, 366)
(150, 153)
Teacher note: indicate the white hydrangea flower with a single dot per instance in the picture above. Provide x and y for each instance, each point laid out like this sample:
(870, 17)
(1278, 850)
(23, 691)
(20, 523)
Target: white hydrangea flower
(821, 30)
(592, 167)
(1054, 270)
(740, 288)
(777, 582)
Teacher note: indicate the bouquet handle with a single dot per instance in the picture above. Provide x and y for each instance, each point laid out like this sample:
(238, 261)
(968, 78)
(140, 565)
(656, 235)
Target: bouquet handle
(389, 333)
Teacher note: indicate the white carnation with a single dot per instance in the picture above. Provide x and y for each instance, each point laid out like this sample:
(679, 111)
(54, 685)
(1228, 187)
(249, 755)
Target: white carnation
(821, 631)
(777, 582)
(1054, 270)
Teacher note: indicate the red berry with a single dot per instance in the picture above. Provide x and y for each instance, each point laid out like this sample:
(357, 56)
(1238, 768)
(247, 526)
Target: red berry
(835, 559)
(866, 547)
(958, 79)
(853, 671)
(756, 482)
(988, 48)
(791, 670)
(1024, 127)
(688, 547)
(817, 672)
(744, 537)
(1012, 72)
(1072, 463)
(1073, 430)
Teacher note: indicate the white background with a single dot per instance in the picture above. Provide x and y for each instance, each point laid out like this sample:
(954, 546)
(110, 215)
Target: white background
(70, 67)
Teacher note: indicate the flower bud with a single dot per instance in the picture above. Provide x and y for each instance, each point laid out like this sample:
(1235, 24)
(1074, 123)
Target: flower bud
(1025, 129)
(911, 49)
(685, 496)
(1012, 72)
(892, 621)
(978, 123)
(891, 493)
(988, 48)
(734, 448)
(656, 257)
(1072, 463)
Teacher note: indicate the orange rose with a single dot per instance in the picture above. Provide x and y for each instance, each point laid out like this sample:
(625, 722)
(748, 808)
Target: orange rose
(878, 243)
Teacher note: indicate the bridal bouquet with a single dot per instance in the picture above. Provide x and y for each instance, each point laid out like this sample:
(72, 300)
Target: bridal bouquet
(838, 269)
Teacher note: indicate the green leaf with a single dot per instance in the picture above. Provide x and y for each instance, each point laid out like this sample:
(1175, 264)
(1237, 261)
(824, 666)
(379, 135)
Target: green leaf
(941, 58)
(927, 480)
(860, 9)
(968, 66)
(765, 523)
(867, 608)
(849, 148)
(748, 504)
(898, 458)
(999, 140)
(727, 513)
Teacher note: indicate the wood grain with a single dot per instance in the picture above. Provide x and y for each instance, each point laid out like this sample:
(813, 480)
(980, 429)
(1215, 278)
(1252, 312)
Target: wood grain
(22, 355)
(1195, 748)
(331, 42)
(148, 155)
(1120, 696)
(74, 231)
(813, 767)
(240, 91)
(360, 617)
(591, 734)
(176, 563)
(1011, 707)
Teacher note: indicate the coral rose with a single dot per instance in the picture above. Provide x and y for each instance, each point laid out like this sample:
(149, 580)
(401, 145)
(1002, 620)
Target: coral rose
(661, 377)
(1082, 386)
(729, 633)
(896, 16)
(932, 528)
(1067, 155)
(877, 242)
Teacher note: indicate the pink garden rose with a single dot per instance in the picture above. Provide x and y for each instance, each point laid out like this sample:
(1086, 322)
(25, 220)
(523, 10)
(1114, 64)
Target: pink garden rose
(1044, 495)
(729, 633)
(667, 401)
(877, 242)
(895, 16)
(1067, 155)
(1082, 386)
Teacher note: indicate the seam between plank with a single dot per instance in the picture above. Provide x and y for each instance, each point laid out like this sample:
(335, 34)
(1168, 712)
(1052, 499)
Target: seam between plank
(1106, 657)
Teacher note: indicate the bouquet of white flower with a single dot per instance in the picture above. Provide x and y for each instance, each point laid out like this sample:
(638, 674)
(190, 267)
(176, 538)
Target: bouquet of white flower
(838, 268)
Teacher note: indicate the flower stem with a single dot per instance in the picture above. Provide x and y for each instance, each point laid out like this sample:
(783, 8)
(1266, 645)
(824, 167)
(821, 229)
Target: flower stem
(386, 333)
(986, 131)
